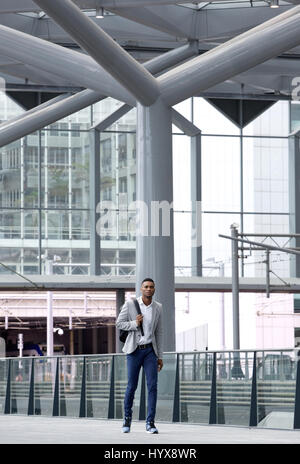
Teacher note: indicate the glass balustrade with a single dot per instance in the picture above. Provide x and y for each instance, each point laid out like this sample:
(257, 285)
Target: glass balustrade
(243, 388)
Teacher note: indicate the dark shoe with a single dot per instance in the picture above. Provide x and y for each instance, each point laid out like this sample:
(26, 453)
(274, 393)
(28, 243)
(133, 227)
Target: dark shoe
(150, 427)
(126, 425)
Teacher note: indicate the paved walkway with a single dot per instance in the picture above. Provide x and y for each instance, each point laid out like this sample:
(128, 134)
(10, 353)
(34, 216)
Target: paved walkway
(49, 430)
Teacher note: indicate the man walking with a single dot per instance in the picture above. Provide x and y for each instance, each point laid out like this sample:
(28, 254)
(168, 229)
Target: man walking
(142, 350)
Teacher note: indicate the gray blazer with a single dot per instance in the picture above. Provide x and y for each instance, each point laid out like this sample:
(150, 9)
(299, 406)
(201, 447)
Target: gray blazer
(127, 321)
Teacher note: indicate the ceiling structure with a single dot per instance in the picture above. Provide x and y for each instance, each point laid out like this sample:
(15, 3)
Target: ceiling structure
(146, 29)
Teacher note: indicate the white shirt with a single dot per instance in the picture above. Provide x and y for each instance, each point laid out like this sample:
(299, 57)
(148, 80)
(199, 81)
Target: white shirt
(147, 322)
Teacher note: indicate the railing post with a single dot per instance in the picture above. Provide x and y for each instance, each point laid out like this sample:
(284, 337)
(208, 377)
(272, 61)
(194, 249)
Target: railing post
(82, 409)
(8, 390)
(111, 404)
(213, 394)
(55, 411)
(297, 396)
(30, 411)
(176, 402)
(253, 407)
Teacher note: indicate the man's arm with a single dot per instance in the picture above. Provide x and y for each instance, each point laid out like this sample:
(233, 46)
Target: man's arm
(123, 322)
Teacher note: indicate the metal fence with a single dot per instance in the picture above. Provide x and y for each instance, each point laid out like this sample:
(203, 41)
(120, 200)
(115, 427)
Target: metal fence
(250, 388)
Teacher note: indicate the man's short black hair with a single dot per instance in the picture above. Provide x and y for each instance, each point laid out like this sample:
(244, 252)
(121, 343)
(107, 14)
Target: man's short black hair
(148, 279)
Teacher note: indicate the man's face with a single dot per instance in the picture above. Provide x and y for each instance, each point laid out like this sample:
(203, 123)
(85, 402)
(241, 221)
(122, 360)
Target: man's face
(147, 289)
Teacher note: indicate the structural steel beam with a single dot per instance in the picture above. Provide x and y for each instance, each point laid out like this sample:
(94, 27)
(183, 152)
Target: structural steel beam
(103, 125)
(34, 119)
(254, 30)
(40, 118)
(105, 51)
(172, 58)
(184, 124)
(77, 67)
(229, 60)
(34, 110)
(15, 6)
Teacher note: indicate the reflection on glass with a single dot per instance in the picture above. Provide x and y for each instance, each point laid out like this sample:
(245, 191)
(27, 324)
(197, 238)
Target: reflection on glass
(215, 248)
(3, 382)
(120, 387)
(276, 381)
(280, 263)
(44, 382)
(20, 377)
(98, 376)
(70, 386)
(166, 388)
(195, 371)
(234, 373)
(221, 186)
(266, 175)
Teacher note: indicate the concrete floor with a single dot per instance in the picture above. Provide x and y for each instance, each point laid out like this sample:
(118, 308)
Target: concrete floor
(52, 430)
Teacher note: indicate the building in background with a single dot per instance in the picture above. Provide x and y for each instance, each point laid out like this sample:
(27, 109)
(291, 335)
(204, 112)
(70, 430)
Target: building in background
(45, 206)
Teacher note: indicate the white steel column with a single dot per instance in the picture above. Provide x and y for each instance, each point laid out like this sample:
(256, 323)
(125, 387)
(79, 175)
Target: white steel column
(49, 324)
(154, 245)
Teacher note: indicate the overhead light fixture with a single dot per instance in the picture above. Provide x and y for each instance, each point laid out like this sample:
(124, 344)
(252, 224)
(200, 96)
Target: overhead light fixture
(100, 12)
(274, 4)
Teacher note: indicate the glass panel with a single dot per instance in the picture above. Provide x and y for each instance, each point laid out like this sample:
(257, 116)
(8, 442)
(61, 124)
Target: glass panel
(8, 107)
(70, 386)
(79, 174)
(234, 373)
(221, 186)
(65, 169)
(30, 221)
(56, 224)
(266, 175)
(44, 382)
(280, 262)
(20, 383)
(126, 122)
(10, 257)
(55, 172)
(295, 116)
(98, 375)
(80, 225)
(104, 108)
(274, 121)
(79, 121)
(66, 225)
(10, 225)
(210, 120)
(108, 167)
(195, 370)
(216, 248)
(120, 387)
(166, 388)
(182, 172)
(3, 382)
(182, 243)
(276, 383)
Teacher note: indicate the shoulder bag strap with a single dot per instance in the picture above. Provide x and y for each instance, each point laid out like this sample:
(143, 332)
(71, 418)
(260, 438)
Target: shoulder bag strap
(139, 312)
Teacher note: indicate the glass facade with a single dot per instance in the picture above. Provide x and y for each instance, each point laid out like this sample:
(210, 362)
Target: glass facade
(45, 190)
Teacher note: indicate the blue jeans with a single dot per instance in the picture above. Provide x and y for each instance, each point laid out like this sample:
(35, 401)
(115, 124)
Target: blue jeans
(146, 358)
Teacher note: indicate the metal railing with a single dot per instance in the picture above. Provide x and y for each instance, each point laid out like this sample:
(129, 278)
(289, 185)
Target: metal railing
(250, 388)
